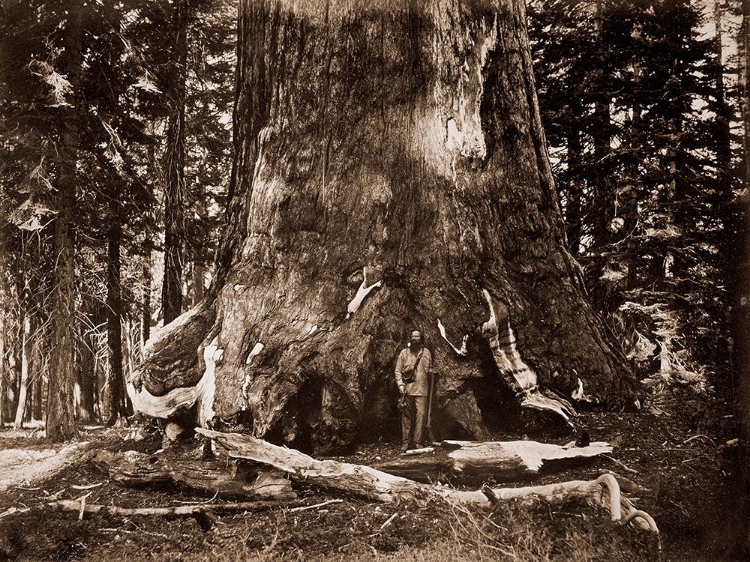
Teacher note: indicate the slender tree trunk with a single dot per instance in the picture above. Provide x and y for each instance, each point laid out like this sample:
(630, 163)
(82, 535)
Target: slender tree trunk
(574, 210)
(3, 370)
(724, 113)
(37, 369)
(148, 253)
(741, 316)
(86, 377)
(146, 298)
(5, 307)
(23, 386)
(174, 189)
(630, 197)
(603, 203)
(114, 319)
(12, 380)
(5, 327)
(199, 251)
(60, 423)
(38, 393)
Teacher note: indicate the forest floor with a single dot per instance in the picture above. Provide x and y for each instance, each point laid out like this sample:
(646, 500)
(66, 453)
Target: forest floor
(680, 448)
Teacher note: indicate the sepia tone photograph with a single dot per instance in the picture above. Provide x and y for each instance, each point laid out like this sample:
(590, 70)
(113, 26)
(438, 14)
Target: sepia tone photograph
(388, 280)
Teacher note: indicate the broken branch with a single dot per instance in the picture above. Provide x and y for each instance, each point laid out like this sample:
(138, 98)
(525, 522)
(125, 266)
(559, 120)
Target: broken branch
(317, 505)
(368, 482)
(177, 511)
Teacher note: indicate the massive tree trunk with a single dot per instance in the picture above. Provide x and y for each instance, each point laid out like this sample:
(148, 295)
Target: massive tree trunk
(390, 173)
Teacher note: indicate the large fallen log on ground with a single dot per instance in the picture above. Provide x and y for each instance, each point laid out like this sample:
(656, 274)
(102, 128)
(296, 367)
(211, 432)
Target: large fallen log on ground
(477, 462)
(368, 482)
(353, 479)
(27, 466)
(207, 477)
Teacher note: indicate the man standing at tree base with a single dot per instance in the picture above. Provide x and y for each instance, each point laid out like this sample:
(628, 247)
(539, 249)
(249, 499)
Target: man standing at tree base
(412, 372)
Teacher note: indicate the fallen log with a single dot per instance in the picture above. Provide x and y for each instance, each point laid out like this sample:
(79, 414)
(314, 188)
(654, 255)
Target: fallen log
(370, 483)
(478, 462)
(358, 480)
(22, 466)
(200, 512)
(208, 477)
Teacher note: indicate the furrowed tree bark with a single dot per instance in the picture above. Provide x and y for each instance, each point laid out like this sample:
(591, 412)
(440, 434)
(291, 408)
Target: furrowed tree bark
(741, 313)
(390, 168)
(174, 168)
(117, 407)
(60, 421)
(3, 308)
(5, 323)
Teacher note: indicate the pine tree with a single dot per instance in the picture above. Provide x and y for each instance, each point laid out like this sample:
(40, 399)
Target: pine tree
(639, 140)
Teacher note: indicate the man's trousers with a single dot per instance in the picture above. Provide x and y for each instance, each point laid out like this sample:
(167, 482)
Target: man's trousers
(414, 420)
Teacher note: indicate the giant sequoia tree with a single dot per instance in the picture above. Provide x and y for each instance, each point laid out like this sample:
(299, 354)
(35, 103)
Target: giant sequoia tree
(390, 173)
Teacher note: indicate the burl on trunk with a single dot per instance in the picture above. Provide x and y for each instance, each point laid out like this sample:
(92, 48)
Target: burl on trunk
(390, 174)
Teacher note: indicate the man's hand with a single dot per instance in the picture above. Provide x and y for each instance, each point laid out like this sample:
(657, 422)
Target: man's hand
(402, 389)
(402, 402)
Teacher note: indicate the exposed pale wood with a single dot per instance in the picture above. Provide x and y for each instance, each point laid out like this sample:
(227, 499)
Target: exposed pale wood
(315, 506)
(358, 480)
(513, 369)
(161, 406)
(208, 477)
(181, 398)
(179, 511)
(368, 482)
(603, 492)
(21, 466)
(478, 461)
(421, 451)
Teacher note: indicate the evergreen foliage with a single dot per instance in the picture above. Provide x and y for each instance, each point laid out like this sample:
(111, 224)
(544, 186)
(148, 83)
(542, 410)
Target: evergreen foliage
(634, 107)
(120, 109)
